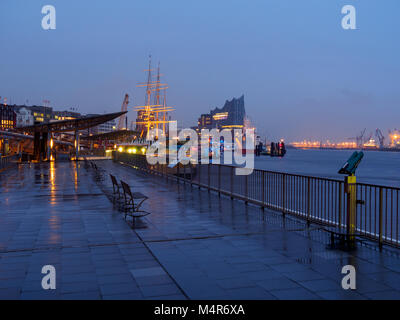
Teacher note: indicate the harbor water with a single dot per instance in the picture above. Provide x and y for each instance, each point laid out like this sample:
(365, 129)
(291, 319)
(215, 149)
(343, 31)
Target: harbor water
(377, 167)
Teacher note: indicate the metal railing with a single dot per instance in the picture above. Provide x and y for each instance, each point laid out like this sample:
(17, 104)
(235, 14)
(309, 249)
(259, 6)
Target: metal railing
(317, 200)
(94, 152)
(6, 161)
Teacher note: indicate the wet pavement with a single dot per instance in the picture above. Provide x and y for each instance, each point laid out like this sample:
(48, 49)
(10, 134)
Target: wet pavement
(193, 245)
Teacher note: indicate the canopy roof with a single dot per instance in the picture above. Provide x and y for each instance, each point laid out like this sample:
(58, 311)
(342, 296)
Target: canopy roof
(72, 125)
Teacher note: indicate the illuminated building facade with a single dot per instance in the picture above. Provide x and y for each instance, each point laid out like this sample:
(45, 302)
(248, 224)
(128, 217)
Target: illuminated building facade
(102, 128)
(230, 116)
(30, 115)
(205, 121)
(107, 126)
(8, 117)
(65, 115)
(41, 114)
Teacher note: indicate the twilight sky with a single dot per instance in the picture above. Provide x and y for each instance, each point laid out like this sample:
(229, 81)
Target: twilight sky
(302, 75)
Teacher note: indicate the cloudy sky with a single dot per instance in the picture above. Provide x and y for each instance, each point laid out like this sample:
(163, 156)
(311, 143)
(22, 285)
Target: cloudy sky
(302, 74)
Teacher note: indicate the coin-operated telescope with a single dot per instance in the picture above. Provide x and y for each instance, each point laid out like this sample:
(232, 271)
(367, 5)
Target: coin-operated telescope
(350, 188)
(352, 163)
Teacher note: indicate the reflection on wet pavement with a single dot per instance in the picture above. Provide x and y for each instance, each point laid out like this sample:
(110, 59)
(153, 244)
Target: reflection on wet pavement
(194, 244)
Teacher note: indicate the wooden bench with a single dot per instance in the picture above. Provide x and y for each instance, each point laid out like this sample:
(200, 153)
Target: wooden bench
(133, 201)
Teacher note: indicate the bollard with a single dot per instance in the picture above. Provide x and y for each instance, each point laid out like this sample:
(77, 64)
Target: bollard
(350, 190)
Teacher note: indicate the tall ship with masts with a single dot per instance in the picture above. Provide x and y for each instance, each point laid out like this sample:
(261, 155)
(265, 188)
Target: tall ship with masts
(152, 117)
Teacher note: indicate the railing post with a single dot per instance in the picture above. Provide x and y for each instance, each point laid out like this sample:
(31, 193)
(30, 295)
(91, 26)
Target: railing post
(351, 190)
(380, 218)
(231, 182)
(191, 174)
(283, 193)
(199, 175)
(263, 190)
(340, 204)
(246, 189)
(208, 175)
(308, 200)
(219, 180)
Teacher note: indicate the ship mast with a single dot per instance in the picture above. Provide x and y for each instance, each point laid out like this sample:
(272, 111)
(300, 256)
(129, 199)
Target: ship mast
(150, 117)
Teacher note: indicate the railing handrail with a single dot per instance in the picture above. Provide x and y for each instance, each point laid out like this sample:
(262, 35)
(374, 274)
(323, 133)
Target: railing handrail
(305, 176)
(5, 160)
(10, 156)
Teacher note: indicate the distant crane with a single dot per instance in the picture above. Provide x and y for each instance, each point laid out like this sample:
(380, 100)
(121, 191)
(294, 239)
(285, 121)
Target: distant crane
(359, 139)
(381, 138)
(122, 119)
(369, 137)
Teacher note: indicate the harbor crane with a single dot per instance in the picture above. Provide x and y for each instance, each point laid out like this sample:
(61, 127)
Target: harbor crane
(381, 137)
(359, 139)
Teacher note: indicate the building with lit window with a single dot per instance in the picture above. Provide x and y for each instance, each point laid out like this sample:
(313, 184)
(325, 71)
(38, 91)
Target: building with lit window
(29, 115)
(102, 128)
(8, 117)
(65, 115)
(41, 114)
(230, 116)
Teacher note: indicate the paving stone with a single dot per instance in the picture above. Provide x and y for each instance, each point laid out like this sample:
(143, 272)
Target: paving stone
(383, 295)
(9, 293)
(159, 290)
(321, 285)
(153, 280)
(341, 295)
(278, 284)
(147, 272)
(304, 275)
(78, 287)
(294, 294)
(124, 296)
(233, 283)
(253, 293)
(119, 288)
(91, 295)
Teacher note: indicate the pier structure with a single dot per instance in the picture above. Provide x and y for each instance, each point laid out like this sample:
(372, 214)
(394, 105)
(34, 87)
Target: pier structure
(43, 133)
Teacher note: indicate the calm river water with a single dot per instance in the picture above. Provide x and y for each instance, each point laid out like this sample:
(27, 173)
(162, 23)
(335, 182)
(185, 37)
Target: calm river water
(377, 167)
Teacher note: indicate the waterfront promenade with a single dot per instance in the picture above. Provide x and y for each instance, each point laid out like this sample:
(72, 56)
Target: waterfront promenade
(194, 245)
